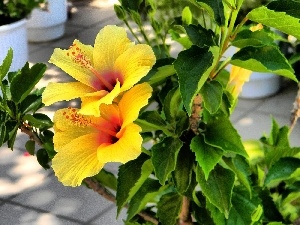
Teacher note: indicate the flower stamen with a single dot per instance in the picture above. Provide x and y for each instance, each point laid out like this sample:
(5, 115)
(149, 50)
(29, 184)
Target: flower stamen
(81, 59)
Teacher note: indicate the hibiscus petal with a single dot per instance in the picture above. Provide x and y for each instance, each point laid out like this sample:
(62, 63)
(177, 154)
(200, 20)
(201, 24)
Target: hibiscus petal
(77, 160)
(66, 131)
(90, 104)
(110, 43)
(127, 148)
(75, 69)
(132, 102)
(55, 92)
(134, 64)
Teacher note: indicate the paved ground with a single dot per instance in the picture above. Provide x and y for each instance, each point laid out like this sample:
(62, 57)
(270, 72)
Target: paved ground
(30, 195)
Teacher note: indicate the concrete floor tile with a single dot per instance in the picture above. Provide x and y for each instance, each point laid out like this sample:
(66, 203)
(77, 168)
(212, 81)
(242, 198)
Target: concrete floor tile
(281, 104)
(89, 16)
(19, 173)
(41, 55)
(11, 214)
(78, 203)
(254, 125)
(110, 217)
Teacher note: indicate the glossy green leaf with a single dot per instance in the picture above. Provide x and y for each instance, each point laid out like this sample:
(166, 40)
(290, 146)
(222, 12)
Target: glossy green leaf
(215, 8)
(221, 134)
(245, 210)
(28, 77)
(162, 73)
(212, 93)
(200, 36)
(207, 156)
(249, 38)
(290, 7)
(164, 157)
(168, 208)
(218, 187)
(31, 103)
(279, 20)
(241, 168)
(131, 176)
(4, 68)
(281, 170)
(11, 131)
(131, 4)
(192, 67)
(172, 104)
(182, 174)
(107, 178)
(39, 120)
(146, 194)
(42, 158)
(264, 59)
(151, 121)
(30, 147)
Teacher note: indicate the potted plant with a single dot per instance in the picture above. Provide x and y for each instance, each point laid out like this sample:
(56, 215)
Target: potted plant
(13, 32)
(48, 23)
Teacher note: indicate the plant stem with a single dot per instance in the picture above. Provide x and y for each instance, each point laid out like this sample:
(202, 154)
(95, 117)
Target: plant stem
(31, 134)
(195, 116)
(296, 110)
(185, 216)
(132, 32)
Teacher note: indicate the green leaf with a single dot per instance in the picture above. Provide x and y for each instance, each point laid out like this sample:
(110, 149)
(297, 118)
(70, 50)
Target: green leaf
(39, 120)
(290, 7)
(30, 147)
(248, 38)
(31, 103)
(186, 15)
(42, 158)
(200, 36)
(168, 208)
(271, 212)
(131, 176)
(281, 171)
(264, 59)
(172, 104)
(212, 93)
(146, 194)
(221, 134)
(151, 121)
(4, 68)
(162, 73)
(131, 4)
(182, 174)
(218, 187)
(215, 8)
(241, 168)
(164, 157)
(107, 178)
(277, 145)
(192, 66)
(279, 20)
(28, 77)
(244, 209)
(11, 132)
(207, 156)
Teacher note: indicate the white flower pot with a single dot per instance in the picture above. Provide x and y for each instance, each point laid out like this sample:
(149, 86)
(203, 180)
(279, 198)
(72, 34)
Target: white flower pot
(14, 36)
(261, 85)
(46, 25)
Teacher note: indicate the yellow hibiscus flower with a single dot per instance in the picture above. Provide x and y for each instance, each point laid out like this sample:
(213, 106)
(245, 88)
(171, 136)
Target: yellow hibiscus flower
(85, 143)
(102, 72)
(237, 79)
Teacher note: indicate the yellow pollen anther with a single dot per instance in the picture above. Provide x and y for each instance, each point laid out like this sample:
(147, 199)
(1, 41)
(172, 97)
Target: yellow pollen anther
(79, 57)
(76, 119)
